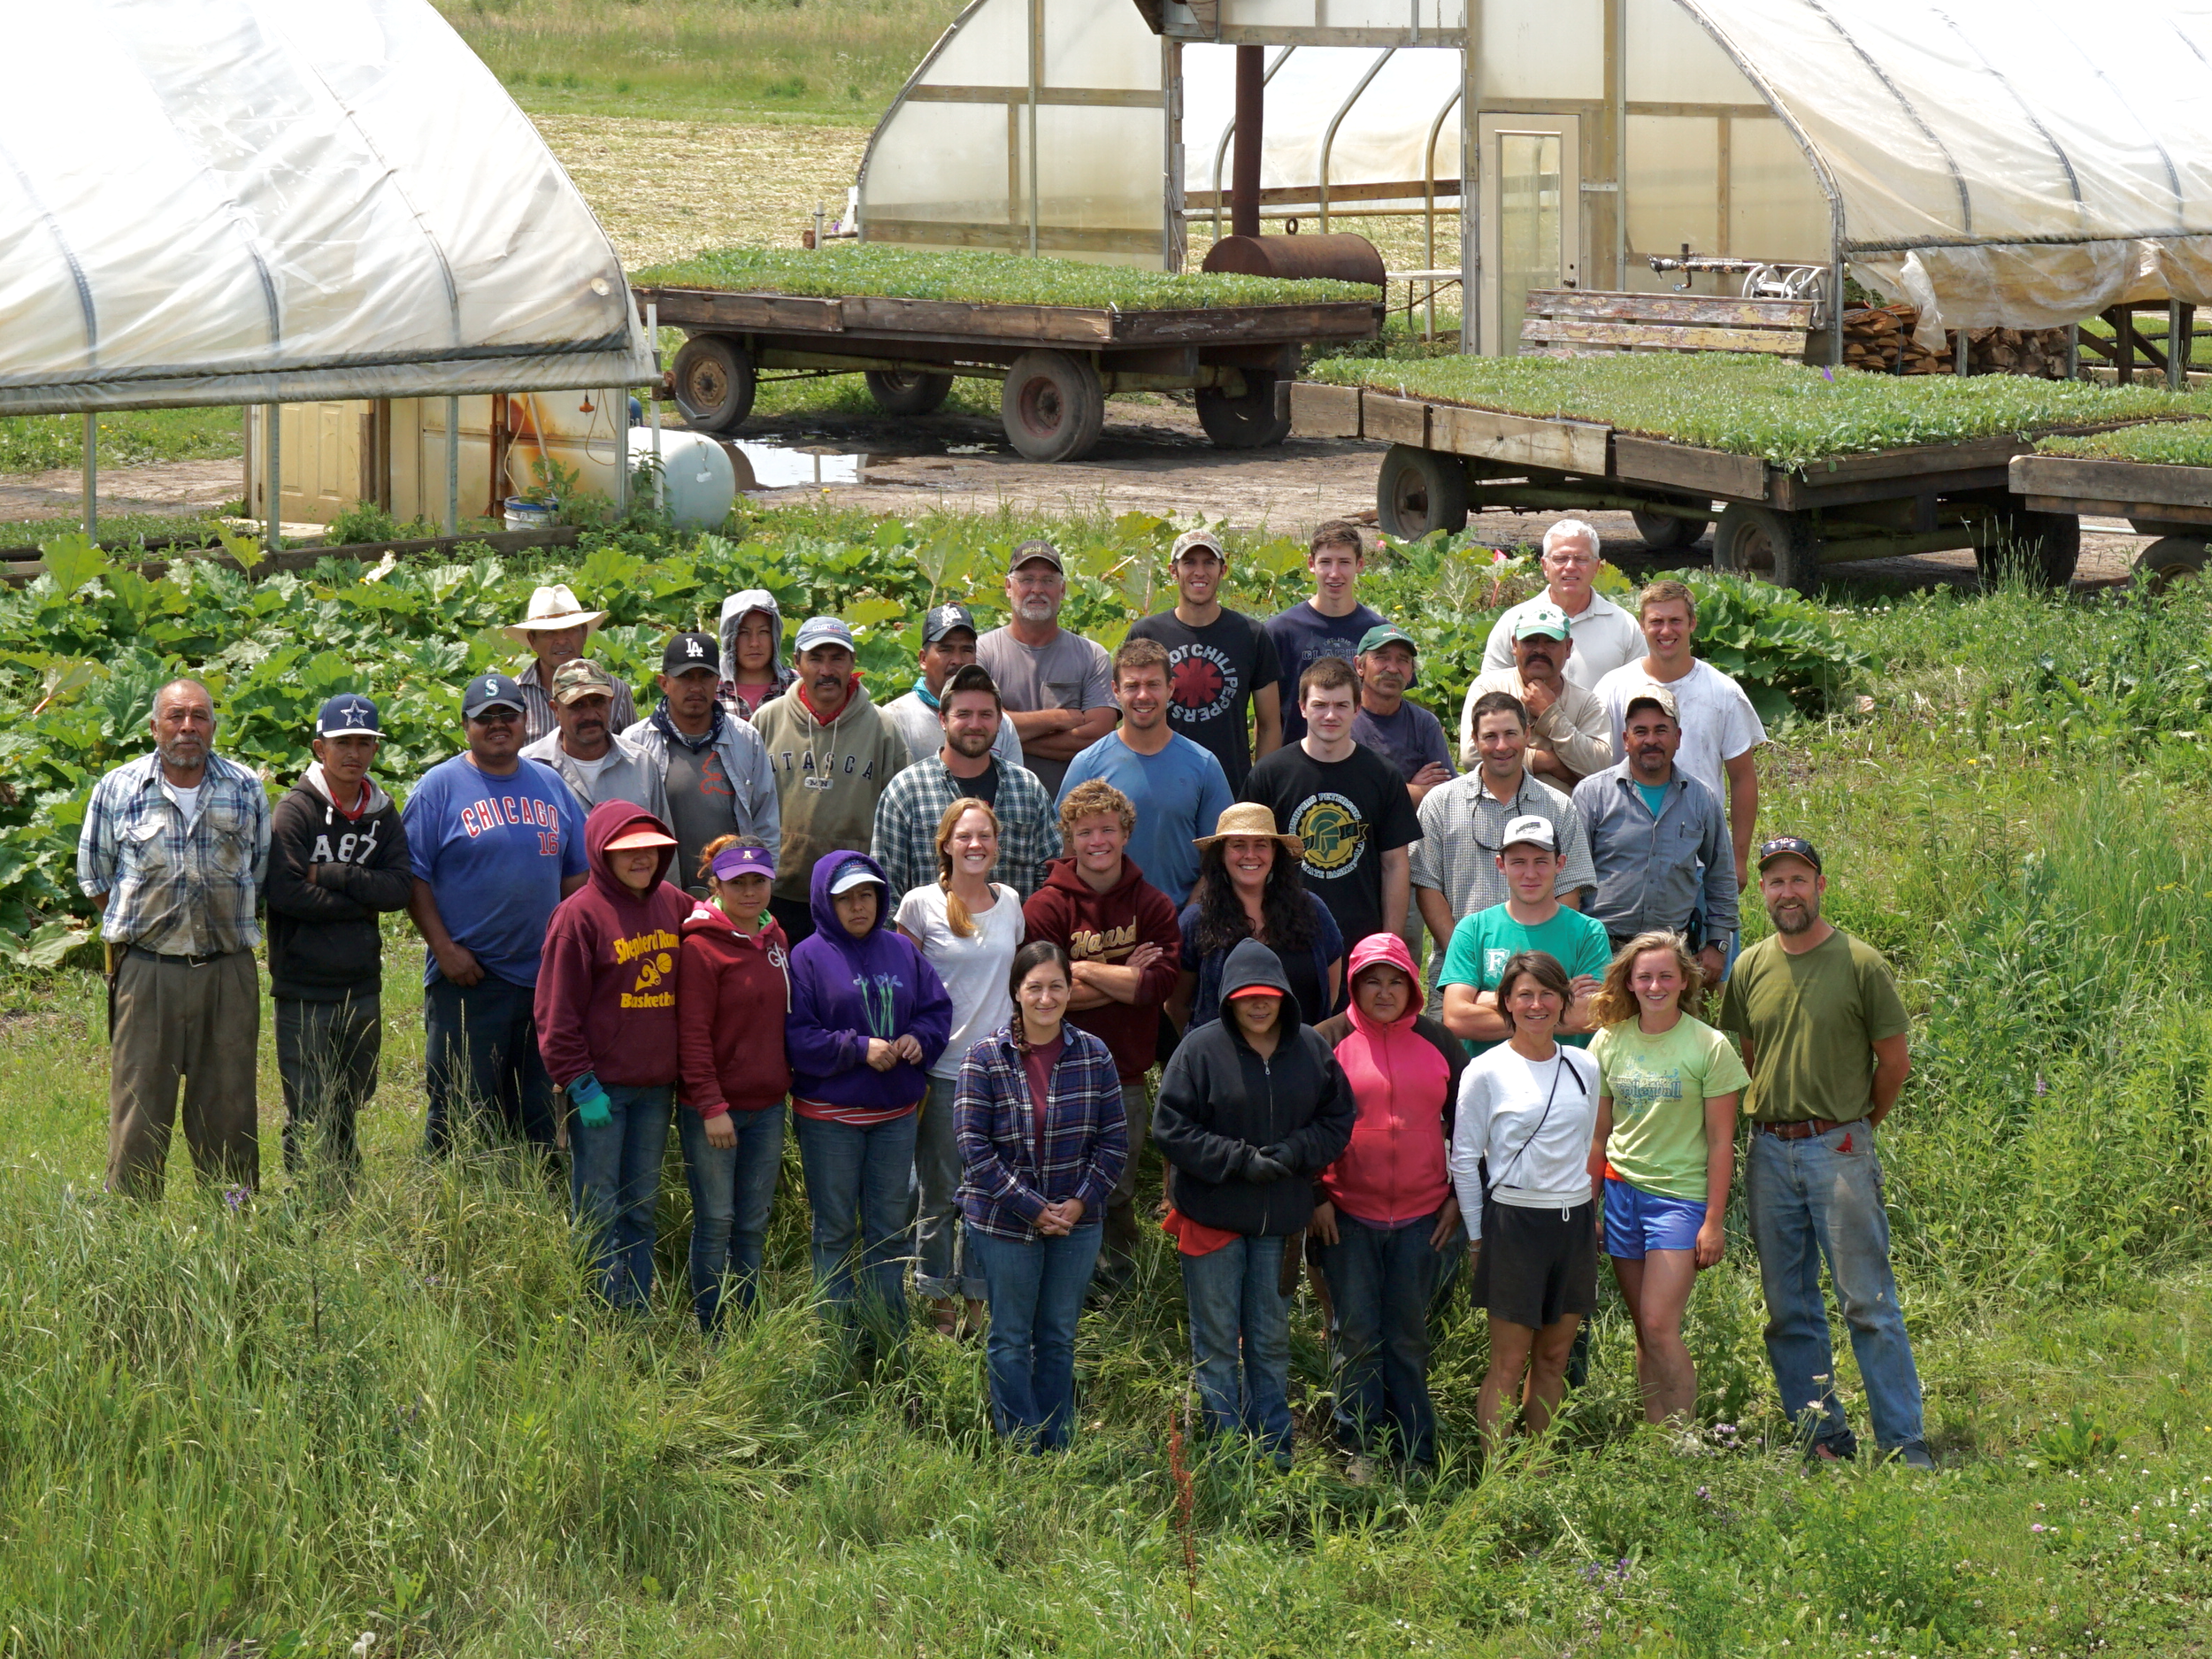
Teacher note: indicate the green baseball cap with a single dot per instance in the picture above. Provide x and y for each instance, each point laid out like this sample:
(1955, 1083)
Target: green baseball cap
(1385, 633)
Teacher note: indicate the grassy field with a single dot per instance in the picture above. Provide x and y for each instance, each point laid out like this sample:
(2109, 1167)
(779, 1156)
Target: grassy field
(36, 443)
(838, 61)
(273, 1429)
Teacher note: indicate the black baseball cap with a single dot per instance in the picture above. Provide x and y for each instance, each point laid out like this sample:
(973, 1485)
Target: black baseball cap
(491, 691)
(1789, 847)
(944, 619)
(687, 651)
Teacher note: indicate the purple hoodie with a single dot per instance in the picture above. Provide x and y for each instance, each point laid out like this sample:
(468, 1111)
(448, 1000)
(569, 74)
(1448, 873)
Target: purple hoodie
(846, 990)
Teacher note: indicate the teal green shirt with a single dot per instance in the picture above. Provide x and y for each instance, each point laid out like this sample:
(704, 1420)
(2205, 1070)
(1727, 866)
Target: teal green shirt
(1485, 941)
(1655, 796)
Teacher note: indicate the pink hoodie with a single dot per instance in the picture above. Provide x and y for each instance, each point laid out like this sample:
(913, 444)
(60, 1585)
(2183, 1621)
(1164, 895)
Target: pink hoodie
(1393, 1171)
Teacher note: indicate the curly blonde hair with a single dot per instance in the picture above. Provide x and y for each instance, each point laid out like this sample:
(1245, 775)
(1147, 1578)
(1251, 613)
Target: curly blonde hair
(1616, 1002)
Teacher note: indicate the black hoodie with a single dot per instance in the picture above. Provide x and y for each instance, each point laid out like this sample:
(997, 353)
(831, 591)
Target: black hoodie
(1218, 1101)
(329, 876)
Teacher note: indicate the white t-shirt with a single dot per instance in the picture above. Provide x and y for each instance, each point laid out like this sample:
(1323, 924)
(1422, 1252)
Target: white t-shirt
(1718, 722)
(186, 800)
(973, 969)
(589, 770)
(1605, 637)
(1502, 1100)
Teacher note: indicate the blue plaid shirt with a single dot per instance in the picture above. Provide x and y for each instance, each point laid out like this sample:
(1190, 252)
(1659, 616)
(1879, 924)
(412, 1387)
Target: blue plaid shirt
(182, 891)
(1007, 1171)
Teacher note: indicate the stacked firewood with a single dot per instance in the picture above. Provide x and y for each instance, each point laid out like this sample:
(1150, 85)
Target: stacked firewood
(1878, 339)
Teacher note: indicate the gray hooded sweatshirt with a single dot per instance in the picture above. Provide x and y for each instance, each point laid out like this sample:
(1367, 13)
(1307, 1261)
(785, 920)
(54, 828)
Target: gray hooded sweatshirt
(735, 609)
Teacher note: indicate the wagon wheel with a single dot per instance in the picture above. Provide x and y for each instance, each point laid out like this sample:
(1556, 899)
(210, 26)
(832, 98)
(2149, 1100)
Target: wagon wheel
(899, 392)
(1420, 490)
(2044, 545)
(1248, 422)
(2173, 558)
(1770, 546)
(714, 382)
(1052, 405)
(1663, 533)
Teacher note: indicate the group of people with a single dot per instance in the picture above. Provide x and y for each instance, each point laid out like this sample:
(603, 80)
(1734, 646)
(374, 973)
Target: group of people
(1414, 1009)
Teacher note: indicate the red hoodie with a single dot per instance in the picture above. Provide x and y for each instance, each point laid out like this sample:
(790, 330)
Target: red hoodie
(731, 997)
(606, 1000)
(1093, 926)
(1405, 1078)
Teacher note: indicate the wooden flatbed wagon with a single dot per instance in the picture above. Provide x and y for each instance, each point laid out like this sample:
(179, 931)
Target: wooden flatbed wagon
(1780, 523)
(2173, 504)
(1056, 364)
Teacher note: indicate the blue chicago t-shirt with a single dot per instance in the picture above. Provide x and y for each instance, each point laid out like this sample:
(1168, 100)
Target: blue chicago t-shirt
(495, 851)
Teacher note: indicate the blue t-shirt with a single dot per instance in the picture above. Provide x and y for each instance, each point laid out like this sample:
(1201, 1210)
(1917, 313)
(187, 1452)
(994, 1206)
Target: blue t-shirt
(1178, 793)
(495, 851)
(1655, 796)
(1410, 740)
(1302, 636)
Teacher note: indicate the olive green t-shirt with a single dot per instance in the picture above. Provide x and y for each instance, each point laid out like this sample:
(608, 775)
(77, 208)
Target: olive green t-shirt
(1659, 1086)
(1813, 1021)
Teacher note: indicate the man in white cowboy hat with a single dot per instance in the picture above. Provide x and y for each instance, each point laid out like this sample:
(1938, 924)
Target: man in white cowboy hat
(555, 629)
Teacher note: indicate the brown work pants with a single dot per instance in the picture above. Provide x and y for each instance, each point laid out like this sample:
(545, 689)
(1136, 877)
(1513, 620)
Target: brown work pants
(202, 1024)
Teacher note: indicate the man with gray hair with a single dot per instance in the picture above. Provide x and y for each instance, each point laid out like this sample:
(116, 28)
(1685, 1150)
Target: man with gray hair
(173, 849)
(1604, 635)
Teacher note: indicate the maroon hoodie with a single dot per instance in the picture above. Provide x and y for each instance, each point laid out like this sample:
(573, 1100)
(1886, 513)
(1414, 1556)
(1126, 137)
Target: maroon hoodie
(731, 1000)
(606, 1000)
(1093, 927)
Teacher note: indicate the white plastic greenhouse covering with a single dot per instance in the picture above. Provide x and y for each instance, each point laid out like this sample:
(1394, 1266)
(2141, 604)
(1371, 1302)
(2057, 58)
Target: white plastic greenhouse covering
(1998, 162)
(264, 201)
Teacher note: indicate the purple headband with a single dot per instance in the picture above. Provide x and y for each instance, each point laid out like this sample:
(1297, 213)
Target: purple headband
(732, 862)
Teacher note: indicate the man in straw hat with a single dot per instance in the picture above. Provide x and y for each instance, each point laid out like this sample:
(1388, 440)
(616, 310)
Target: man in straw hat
(555, 629)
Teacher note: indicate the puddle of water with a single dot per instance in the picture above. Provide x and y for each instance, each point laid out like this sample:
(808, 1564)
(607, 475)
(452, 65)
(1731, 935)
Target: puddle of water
(771, 466)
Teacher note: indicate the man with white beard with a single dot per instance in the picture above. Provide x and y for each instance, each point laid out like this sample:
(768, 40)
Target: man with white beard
(1058, 687)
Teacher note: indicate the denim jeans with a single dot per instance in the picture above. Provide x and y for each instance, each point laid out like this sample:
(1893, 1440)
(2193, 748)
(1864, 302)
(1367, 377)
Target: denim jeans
(482, 1069)
(732, 1190)
(614, 1185)
(944, 1266)
(327, 1055)
(859, 1184)
(1239, 1339)
(1380, 1283)
(1808, 1200)
(1119, 1260)
(1036, 1295)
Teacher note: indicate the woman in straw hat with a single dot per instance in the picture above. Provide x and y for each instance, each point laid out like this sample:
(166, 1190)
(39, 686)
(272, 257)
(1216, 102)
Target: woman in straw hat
(1251, 886)
(555, 628)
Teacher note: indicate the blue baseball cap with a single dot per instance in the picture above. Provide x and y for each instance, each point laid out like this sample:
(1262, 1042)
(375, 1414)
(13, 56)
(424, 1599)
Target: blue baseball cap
(491, 691)
(349, 713)
(823, 631)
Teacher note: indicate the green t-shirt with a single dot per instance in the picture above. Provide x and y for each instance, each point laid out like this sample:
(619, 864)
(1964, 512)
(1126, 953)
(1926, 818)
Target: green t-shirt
(1812, 1021)
(1487, 940)
(1659, 1086)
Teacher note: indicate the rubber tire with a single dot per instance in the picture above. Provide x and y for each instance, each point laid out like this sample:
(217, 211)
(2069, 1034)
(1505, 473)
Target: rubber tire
(1052, 405)
(2051, 541)
(715, 383)
(901, 393)
(2173, 558)
(1767, 546)
(1665, 534)
(1419, 491)
(1248, 422)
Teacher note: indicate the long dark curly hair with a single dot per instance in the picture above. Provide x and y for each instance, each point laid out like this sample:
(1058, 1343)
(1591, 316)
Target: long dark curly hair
(1284, 908)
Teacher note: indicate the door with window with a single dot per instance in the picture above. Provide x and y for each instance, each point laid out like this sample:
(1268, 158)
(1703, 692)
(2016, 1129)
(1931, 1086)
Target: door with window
(1530, 218)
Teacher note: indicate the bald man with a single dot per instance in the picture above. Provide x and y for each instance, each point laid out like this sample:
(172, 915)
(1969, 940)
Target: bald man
(173, 850)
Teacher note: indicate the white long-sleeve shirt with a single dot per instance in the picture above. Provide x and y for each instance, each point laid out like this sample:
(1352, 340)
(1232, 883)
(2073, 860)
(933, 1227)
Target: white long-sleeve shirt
(1501, 1102)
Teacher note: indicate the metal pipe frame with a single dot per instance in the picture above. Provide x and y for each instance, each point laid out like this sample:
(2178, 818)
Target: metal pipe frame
(1328, 138)
(91, 475)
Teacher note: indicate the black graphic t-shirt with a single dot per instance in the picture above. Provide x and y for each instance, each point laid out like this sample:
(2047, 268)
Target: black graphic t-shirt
(1349, 813)
(1211, 674)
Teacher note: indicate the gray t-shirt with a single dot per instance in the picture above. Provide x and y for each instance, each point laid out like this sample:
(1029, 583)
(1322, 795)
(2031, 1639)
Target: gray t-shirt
(702, 806)
(1070, 672)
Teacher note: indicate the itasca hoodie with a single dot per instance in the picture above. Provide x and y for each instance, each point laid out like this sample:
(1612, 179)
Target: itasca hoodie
(329, 876)
(606, 999)
(1220, 1101)
(828, 774)
(846, 990)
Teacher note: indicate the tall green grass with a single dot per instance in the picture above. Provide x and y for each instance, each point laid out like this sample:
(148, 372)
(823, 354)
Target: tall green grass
(35, 444)
(827, 60)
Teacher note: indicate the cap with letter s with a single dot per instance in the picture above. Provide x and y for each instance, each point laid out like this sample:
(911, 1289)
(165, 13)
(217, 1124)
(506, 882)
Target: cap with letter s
(486, 691)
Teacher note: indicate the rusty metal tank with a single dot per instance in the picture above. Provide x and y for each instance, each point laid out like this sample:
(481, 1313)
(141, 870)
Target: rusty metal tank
(1340, 254)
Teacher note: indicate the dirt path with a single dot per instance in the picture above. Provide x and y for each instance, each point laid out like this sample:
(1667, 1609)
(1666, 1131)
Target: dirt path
(164, 488)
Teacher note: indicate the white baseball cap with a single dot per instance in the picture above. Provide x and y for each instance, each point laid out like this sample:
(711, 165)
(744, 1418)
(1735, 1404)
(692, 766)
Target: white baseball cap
(1528, 830)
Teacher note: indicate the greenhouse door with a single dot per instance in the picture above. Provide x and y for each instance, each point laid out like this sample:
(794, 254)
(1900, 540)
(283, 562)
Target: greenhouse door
(1531, 223)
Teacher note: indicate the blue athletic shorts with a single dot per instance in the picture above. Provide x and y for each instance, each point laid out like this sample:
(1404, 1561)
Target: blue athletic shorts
(1638, 1223)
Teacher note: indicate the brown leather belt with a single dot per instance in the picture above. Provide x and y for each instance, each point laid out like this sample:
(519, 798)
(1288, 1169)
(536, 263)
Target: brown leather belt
(1805, 1130)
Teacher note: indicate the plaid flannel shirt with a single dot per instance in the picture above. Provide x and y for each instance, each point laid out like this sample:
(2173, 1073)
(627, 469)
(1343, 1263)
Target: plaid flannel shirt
(182, 891)
(1008, 1173)
(905, 838)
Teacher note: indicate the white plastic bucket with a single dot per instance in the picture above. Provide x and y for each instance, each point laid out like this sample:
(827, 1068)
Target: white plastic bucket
(529, 515)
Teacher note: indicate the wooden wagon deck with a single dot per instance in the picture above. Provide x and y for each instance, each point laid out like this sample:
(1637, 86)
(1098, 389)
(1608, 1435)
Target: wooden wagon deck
(2173, 504)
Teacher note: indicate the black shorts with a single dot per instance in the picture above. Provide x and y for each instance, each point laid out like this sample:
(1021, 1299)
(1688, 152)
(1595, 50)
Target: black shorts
(1537, 1266)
